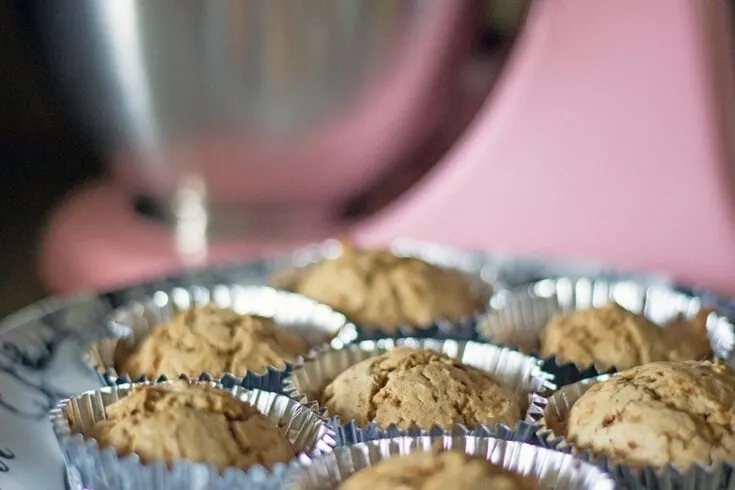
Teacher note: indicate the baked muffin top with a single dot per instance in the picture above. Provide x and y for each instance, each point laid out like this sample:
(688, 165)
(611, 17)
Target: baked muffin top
(211, 340)
(612, 336)
(377, 288)
(434, 470)
(406, 386)
(663, 412)
(191, 421)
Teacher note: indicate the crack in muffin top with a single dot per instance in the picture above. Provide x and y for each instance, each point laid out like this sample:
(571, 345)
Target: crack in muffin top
(664, 412)
(191, 421)
(406, 386)
(377, 288)
(437, 470)
(612, 336)
(211, 340)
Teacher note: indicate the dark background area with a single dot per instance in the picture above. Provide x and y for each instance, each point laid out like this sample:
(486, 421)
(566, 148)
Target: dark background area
(43, 156)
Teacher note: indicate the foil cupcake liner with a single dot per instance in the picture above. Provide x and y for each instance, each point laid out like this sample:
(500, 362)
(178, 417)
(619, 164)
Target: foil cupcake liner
(102, 468)
(473, 266)
(517, 317)
(127, 326)
(550, 433)
(551, 468)
(519, 372)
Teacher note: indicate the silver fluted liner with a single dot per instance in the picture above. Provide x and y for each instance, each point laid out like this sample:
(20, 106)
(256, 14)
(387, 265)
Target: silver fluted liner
(517, 317)
(521, 373)
(481, 277)
(552, 469)
(550, 432)
(103, 469)
(318, 324)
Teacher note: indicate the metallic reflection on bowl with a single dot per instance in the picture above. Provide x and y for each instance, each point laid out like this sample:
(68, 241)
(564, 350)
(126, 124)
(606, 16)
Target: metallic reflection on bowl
(278, 113)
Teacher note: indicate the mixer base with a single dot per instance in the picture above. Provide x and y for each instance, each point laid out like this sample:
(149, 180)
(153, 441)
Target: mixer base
(95, 239)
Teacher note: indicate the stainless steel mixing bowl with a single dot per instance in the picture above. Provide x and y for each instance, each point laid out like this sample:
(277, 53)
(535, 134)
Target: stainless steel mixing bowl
(262, 116)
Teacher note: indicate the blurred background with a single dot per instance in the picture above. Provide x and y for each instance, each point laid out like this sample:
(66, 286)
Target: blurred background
(44, 155)
(47, 151)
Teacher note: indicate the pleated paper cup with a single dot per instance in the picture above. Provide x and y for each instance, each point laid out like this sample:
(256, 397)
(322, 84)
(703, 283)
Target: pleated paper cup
(551, 432)
(517, 317)
(319, 325)
(520, 373)
(103, 468)
(472, 266)
(552, 469)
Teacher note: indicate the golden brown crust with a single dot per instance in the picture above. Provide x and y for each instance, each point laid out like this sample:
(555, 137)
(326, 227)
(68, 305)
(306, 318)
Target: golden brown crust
(664, 412)
(406, 386)
(437, 471)
(377, 288)
(212, 340)
(193, 422)
(612, 336)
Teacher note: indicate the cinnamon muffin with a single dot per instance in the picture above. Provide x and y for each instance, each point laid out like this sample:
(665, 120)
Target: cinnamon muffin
(437, 470)
(664, 412)
(194, 422)
(405, 386)
(612, 336)
(212, 340)
(377, 288)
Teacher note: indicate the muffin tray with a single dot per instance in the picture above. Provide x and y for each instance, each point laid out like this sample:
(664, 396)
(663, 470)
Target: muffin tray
(553, 469)
(521, 373)
(43, 347)
(550, 434)
(471, 267)
(516, 316)
(129, 325)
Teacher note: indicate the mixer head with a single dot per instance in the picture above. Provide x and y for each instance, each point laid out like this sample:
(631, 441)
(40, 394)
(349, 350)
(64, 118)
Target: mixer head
(273, 117)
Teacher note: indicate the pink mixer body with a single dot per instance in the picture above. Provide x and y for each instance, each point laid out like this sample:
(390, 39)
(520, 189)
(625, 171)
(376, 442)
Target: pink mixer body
(607, 139)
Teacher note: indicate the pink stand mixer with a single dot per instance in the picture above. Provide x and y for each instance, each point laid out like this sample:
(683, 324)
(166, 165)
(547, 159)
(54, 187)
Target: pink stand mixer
(605, 134)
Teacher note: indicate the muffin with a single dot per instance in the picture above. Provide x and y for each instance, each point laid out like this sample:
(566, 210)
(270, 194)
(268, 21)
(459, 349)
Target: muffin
(664, 412)
(612, 336)
(377, 288)
(406, 386)
(194, 422)
(210, 340)
(437, 470)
